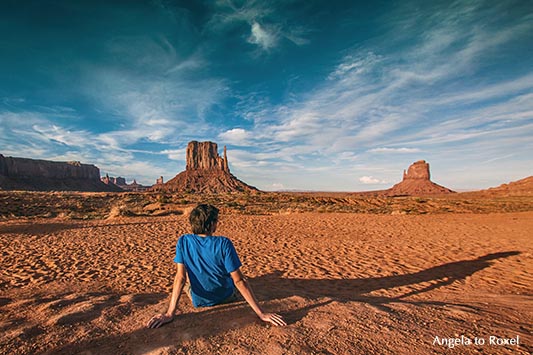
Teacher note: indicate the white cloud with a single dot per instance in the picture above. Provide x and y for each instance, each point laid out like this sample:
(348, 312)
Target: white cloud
(300, 126)
(370, 180)
(235, 136)
(263, 37)
(354, 66)
(55, 133)
(276, 187)
(398, 102)
(394, 150)
(267, 25)
(228, 12)
(175, 154)
(297, 36)
(370, 96)
(153, 108)
(429, 92)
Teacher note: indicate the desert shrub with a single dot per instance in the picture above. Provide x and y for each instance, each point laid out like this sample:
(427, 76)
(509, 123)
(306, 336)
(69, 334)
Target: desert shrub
(120, 211)
(164, 198)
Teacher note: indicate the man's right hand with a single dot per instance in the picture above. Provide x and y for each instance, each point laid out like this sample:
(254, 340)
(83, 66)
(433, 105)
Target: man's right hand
(159, 320)
(273, 318)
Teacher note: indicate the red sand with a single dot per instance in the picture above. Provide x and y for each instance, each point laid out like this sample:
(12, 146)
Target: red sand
(346, 284)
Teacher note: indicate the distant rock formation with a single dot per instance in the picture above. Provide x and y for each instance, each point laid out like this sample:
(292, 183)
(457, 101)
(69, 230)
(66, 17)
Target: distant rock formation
(44, 175)
(205, 172)
(121, 183)
(135, 186)
(416, 181)
(522, 187)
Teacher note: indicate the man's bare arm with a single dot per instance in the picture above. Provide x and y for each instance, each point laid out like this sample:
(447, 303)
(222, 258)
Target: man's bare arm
(179, 282)
(246, 291)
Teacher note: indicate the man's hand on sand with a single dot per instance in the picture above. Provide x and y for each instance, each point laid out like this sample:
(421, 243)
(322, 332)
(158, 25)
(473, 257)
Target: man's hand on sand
(159, 320)
(273, 318)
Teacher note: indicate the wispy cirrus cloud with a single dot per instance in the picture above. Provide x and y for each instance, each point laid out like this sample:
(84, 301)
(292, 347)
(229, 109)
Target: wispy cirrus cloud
(38, 135)
(267, 25)
(145, 96)
(304, 94)
(409, 99)
(394, 150)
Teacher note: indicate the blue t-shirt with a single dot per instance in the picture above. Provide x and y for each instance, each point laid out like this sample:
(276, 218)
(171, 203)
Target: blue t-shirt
(209, 261)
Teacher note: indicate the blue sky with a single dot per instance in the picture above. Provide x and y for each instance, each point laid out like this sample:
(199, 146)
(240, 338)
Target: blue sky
(311, 95)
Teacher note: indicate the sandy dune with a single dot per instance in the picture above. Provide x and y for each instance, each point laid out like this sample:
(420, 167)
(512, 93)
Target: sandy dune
(346, 283)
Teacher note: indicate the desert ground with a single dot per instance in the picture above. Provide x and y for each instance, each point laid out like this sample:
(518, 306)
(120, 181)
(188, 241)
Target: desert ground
(82, 274)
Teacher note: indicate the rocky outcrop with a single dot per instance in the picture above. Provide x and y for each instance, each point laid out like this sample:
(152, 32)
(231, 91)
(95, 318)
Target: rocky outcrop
(44, 175)
(205, 172)
(120, 181)
(134, 186)
(522, 187)
(123, 185)
(416, 181)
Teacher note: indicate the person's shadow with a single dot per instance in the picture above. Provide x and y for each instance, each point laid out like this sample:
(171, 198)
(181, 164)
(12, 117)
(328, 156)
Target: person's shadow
(273, 286)
(275, 289)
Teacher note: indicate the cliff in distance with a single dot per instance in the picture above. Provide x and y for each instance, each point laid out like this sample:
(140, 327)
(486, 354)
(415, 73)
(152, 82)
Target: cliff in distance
(205, 172)
(44, 175)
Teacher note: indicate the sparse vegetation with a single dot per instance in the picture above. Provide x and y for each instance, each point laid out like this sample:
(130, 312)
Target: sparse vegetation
(75, 205)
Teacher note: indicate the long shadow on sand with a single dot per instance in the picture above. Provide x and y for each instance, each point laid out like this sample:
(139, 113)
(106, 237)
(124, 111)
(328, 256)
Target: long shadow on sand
(356, 289)
(272, 287)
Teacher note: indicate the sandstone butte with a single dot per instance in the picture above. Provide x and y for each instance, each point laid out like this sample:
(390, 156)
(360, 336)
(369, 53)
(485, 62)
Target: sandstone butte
(205, 172)
(416, 181)
(44, 175)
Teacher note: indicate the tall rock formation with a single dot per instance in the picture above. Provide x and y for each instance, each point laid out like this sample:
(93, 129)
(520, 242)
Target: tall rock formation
(204, 155)
(205, 172)
(417, 171)
(416, 181)
(44, 175)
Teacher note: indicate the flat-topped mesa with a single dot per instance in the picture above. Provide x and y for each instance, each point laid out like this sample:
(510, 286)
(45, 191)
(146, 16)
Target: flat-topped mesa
(30, 168)
(45, 175)
(417, 170)
(204, 155)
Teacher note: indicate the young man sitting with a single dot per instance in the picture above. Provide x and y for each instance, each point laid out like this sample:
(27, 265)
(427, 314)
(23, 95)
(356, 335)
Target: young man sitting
(208, 267)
